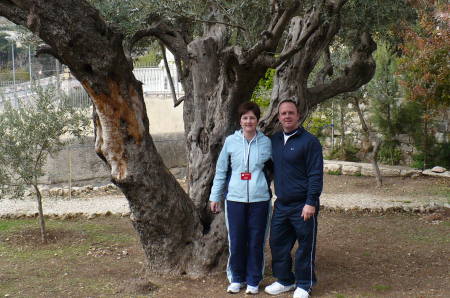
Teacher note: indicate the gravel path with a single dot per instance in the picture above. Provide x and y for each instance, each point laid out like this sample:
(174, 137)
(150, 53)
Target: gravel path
(118, 204)
(101, 204)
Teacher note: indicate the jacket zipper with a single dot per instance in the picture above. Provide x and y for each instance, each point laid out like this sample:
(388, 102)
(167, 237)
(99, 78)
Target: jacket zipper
(282, 159)
(248, 171)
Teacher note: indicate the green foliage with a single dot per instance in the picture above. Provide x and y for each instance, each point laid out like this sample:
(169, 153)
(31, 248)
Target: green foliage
(316, 124)
(336, 173)
(21, 74)
(439, 156)
(381, 17)
(345, 152)
(381, 287)
(29, 132)
(390, 153)
(383, 90)
(426, 77)
(388, 110)
(152, 58)
(130, 16)
(261, 94)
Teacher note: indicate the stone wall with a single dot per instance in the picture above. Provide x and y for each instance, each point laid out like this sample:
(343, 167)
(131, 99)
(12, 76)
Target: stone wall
(86, 166)
(337, 167)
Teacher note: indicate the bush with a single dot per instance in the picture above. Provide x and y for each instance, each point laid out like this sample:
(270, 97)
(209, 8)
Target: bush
(390, 153)
(151, 59)
(440, 156)
(336, 173)
(261, 94)
(347, 153)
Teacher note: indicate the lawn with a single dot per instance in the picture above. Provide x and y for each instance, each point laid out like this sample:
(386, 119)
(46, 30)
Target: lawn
(395, 255)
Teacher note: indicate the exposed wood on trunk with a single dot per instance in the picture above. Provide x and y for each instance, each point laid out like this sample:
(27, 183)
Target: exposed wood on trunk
(164, 217)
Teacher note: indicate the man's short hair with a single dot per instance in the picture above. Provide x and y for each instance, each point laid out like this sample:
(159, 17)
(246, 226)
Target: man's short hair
(291, 100)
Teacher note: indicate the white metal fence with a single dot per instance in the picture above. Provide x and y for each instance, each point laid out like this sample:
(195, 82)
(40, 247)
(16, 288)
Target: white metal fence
(154, 80)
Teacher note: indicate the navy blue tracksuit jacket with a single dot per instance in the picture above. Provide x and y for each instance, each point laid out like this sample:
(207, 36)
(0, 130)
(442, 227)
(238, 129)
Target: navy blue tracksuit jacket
(298, 167)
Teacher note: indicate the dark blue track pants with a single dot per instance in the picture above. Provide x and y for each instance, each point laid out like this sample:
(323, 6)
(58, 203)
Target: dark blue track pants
(288, 226)
(247, 224)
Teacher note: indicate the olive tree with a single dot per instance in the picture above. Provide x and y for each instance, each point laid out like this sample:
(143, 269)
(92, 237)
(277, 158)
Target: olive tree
(30, 130)
(221, 50)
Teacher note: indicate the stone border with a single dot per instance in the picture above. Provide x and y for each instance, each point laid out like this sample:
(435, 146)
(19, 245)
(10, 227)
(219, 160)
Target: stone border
(63, 192)
(424, 209)
(66, 216)
(337, 167)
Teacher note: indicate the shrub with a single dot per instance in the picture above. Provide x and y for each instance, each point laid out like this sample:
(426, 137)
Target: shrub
(346, 153)
(390, 153)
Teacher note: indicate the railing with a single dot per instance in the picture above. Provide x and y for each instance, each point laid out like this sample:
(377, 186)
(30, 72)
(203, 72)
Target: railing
(154, 80)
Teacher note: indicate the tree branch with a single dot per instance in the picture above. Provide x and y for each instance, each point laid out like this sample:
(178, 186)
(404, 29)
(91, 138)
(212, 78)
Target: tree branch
(170, 36)
(169, 76)
(271, 36)
(327, 69)
(307, 27)
(373, 139)
(46, 50)
(11, 11)
(358, 72)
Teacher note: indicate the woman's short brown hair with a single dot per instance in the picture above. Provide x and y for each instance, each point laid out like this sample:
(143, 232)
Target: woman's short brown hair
(247, 107)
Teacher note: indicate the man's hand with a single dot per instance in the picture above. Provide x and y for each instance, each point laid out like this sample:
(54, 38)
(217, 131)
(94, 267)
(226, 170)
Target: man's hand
(308, 211)
(215, 207)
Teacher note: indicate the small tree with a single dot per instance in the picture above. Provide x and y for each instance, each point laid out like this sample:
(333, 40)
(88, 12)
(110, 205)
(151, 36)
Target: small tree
(383, 94)
(425, 72)
(30, 132)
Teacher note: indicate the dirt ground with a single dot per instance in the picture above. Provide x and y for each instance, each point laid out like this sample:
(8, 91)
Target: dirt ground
(358, 255)
(392, 186)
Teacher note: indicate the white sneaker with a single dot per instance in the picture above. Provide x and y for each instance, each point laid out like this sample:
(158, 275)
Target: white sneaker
(235, 287)
(300, 293)
(277, 288)
(252, 290)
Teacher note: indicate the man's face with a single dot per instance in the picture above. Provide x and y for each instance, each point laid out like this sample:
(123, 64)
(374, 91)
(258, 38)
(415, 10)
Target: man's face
(288, 116)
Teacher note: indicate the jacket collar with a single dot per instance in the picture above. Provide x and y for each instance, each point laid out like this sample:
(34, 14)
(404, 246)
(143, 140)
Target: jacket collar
(296, 132)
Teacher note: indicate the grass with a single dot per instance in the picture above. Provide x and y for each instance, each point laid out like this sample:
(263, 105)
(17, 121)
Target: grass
(12, 225)
(336, 173)
(358, 256)
(381, 287)
(77, 261)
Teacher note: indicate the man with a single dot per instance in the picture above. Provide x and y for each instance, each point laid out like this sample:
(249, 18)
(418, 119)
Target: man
(298, 176)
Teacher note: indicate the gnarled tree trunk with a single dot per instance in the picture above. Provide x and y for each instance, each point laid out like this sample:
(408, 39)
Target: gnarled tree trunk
(177, 232)
(293, 76)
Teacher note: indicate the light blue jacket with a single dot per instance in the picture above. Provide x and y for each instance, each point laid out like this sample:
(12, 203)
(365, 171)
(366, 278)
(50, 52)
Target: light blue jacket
(236, 149)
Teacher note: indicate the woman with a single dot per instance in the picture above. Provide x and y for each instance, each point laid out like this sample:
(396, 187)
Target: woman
(247, 201)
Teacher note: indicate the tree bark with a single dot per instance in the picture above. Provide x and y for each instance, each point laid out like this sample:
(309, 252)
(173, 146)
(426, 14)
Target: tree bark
(177, 231)
(292, 76)
(165, 218)
(373, 139)
(41, 214)
(342, 130)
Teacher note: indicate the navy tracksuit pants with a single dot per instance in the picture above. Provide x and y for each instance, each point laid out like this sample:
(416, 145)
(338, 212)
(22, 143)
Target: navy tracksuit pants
(287, 227)
(247, 225)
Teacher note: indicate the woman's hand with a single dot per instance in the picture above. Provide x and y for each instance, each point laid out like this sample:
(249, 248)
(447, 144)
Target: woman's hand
(215, 207)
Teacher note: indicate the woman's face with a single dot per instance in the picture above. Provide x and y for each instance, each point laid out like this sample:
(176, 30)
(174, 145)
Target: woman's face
(249, 122)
